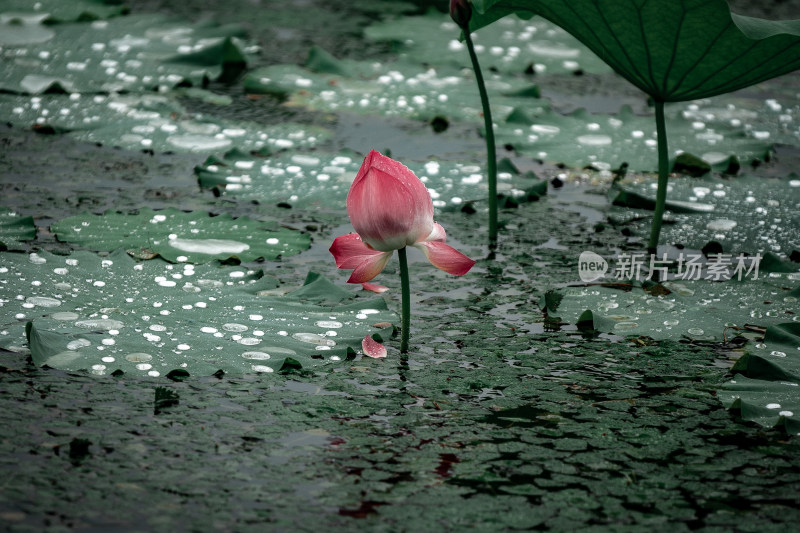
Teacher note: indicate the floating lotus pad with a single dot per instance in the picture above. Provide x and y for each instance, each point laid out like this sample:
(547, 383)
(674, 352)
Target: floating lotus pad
(15, 228)
(744, 214)
(393, 89)
(104, 314)
(606, 141)
(57, 11)
(132, 53)
(181, 237)
(696, 309)
(324, 179)
(149, 121)
(510, 45)
(766, 386)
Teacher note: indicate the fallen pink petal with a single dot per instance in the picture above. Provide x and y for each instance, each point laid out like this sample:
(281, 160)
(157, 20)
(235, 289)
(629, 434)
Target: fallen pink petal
(373, 348)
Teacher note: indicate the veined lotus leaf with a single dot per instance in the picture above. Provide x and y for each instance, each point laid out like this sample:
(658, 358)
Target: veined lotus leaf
(607, 141)
(696, 308)
(511, 45)
(131, 53)
(58, 11)
(103, 314)
(321, 179)
(766, 387)
(673, 51)
(399, 89)
(181, 237)
(15, 228)
(744, 214)
(149, 121)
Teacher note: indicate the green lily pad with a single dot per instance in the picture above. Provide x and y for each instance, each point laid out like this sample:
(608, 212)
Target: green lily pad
(695, 309)
(131, 53)
(149, 121)
(765, 388)
(511, 45)
(607, 141)
(321, 179)
(15, 228)
(109, 314)
(673, 51)
(181, 237)
(397, 89)
(58, 11)
(744, 214)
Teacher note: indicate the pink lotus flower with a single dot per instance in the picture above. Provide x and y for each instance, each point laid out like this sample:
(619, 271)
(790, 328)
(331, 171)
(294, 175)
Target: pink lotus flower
(390, 208)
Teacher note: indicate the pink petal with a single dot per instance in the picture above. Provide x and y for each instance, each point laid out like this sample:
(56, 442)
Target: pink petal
(374, 287)
(370, 268)
(445, 257)
(373, 348)
(437, 234)
(349, 251)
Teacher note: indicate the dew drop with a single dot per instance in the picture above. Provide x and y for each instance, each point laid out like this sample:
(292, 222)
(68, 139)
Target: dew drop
(313, 338)
(78, 344)
(259, 356)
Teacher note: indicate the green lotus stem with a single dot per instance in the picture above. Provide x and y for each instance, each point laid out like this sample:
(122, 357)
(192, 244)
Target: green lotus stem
(663, 178)
(490, 147)
(405, 291)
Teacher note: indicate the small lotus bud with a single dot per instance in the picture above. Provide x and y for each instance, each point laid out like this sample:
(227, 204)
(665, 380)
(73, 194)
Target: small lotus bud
(461, 12)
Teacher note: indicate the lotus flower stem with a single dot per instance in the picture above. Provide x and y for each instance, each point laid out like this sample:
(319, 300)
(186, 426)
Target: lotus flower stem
(405, 296)
(491, 152)
(663, 178)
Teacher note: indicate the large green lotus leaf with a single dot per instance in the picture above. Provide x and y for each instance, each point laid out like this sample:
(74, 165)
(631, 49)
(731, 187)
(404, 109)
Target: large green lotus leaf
(398, 89)
(673, 51)
(321, 179)
(744, 214)
(511, 45)
(132, 53)
(767, 388)
(181, 237)
(58, 11)
(149, 121)
(103, 314)
(15, 228)
(697, 309)
(607, 141)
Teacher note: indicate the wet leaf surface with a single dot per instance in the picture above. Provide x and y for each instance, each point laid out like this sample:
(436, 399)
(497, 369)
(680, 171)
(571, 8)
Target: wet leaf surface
(130, 53)
(175, 317)
(181, 237)
(15, 228)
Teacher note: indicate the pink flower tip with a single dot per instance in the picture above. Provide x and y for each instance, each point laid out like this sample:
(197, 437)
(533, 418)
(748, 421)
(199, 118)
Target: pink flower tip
(374, 287)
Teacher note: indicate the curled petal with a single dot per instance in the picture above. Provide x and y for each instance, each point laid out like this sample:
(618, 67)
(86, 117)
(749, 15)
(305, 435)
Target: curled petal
(437, 234)
(349, 251)
(374, 287)
(445, 257)
(373, 348)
